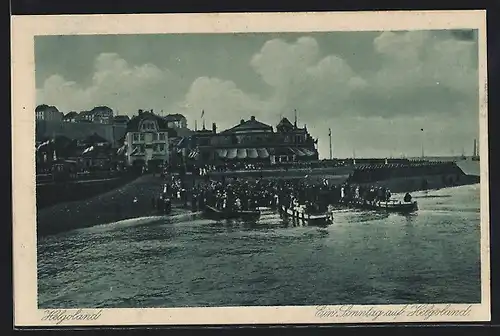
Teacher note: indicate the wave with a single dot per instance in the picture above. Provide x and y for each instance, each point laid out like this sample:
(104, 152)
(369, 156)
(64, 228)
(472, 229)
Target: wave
(138, 221)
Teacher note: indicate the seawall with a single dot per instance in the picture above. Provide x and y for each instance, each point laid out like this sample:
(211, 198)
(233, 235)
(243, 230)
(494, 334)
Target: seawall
(434, 176)
(424, 182)
(291, 173)
(51, 193)
(111, 206)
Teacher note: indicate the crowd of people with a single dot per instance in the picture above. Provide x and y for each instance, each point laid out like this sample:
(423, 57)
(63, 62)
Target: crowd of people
(247, 194)
(233, 194)
(254, 166)
(371, 173)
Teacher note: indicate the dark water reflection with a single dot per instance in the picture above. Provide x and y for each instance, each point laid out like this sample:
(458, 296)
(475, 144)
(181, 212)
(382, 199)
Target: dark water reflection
(363, 258)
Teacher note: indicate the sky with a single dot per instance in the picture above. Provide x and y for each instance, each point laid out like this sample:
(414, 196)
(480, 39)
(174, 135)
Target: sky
(375, 90)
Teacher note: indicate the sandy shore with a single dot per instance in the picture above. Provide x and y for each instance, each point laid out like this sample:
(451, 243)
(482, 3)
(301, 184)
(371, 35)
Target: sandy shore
(111, 206)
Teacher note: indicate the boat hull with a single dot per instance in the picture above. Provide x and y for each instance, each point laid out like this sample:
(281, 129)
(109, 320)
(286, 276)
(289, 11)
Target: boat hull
(406, 207)
(216, 214)
(324, 219)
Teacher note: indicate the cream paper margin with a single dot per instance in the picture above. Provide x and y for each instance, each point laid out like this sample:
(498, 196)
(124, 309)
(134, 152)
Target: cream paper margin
(24, 28)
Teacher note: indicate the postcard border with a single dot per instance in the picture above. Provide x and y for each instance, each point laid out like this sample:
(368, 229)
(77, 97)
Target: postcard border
(24, 28)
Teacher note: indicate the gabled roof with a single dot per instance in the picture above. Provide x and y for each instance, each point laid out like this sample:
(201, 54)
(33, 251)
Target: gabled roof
(133, 124)
(174, 117)
(121, 118)
(44, 107)
(285, 123)
(251, 124)
(101, 109)
(71, 114)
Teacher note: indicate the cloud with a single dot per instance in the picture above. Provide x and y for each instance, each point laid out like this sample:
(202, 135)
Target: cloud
(222, 101)
(300, 78)
(422, 73)
(419, 77)
(115, 83)
(279, 63)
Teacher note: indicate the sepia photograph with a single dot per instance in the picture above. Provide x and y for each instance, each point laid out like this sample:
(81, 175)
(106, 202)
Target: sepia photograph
(338, 170)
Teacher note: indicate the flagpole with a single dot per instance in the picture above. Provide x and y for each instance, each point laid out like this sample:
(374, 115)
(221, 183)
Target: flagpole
(422, 140)
(330, 141)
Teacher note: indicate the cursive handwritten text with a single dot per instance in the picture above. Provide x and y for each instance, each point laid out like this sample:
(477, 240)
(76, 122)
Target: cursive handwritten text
(422, 311)
(61, 315)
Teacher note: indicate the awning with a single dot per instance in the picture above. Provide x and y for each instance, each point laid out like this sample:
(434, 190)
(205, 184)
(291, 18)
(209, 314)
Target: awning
(308, 152)
(301, 151)
(232, 153)
(297, 151)
(222, 153)
(252, 153)
(243, 153)
(263, 153)
(278, 151)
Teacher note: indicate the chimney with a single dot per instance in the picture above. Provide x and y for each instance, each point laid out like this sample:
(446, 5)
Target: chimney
(242, 121)
(252, 118)
(214, 128)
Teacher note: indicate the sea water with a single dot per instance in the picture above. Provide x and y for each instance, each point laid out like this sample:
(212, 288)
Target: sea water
(432, 256)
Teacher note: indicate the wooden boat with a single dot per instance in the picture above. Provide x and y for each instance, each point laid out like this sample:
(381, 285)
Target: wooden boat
(391, 205)
(300, 214)
(217, 214)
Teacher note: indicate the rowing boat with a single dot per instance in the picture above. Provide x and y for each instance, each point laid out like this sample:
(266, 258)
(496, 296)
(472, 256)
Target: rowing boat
(391, 206)
(300, 214)
(217, 214)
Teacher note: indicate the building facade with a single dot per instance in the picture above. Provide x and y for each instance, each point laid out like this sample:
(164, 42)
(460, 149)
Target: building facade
(48, 113)
(121, 120)
(102, 115)
(70, 117)
(254, 141)
(146, 140)
(176, 120)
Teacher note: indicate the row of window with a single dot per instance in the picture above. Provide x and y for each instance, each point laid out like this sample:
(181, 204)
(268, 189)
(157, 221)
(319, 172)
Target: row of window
(148, 125)
(140, 149)
(142, 136)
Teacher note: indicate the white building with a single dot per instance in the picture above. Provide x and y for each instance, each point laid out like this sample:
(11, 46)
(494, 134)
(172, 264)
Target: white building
(146, 140)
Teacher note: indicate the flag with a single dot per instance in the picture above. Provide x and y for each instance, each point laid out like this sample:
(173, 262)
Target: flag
(88, 150)
(121, 149)
(135, 151)
(43, 144)
(202, 113)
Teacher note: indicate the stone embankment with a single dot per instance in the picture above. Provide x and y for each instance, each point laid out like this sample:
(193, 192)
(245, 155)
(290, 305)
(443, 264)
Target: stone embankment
(131, 200)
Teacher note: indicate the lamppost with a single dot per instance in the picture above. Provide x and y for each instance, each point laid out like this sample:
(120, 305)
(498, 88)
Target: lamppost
(422, 141)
